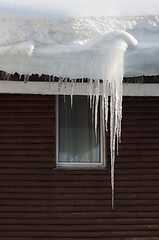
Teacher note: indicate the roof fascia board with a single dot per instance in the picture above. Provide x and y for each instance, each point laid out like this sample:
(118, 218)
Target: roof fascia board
(54, 88)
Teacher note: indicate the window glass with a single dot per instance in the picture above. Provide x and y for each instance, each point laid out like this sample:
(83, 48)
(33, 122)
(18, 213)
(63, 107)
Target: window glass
(77, 142)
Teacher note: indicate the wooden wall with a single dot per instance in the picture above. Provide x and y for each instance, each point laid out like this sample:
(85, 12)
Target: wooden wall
(39, 202)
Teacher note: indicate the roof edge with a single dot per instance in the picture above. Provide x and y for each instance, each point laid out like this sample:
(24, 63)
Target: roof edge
(4, 76)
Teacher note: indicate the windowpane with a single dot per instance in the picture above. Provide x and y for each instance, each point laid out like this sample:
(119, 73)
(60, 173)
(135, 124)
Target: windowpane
(77, 140)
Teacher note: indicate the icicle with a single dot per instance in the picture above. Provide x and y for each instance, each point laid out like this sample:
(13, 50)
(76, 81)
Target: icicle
(50, 78)
(105, 99)
(59, 84)
(93, 109)
(115, 112)
(72, 88)
(20, 76)
(45, 77)
(102, 59)
(26, 78)
(112, 142)
(91, 93)
(4, 76)
(65, 81)
(8, 76)
(96, 94)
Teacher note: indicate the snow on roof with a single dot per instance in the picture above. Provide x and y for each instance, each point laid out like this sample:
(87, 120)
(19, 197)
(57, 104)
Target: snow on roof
(48, 36)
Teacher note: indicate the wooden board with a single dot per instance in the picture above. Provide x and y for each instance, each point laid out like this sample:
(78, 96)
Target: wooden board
(38, 201)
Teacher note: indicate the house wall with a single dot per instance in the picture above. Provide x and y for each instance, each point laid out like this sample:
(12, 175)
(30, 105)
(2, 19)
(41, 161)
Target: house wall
(38, 201)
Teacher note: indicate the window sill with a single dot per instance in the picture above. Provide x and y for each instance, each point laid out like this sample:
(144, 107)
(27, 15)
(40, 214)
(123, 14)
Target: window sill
(80, 168)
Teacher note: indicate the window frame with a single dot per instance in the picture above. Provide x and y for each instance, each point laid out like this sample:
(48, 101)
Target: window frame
(76, 165)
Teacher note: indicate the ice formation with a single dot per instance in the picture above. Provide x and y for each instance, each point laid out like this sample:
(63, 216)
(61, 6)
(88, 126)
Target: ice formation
(96, 60)
(114, 45)
(52, 38)
(101, 59)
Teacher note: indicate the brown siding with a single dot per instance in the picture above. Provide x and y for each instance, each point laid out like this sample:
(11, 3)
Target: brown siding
(37, 202)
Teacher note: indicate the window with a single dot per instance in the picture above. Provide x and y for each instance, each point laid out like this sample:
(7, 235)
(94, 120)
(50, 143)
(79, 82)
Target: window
(77, 143)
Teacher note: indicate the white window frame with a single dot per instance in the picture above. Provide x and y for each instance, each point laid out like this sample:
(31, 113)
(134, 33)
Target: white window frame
(101, 164)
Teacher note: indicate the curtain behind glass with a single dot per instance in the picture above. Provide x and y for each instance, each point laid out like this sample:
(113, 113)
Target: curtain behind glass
(77, 140)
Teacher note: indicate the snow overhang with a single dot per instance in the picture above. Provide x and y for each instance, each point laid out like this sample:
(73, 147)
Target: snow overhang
(78, 47)
(60, 37)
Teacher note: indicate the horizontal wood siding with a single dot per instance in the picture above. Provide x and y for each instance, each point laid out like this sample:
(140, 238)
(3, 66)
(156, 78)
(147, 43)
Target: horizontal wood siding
(38, 201)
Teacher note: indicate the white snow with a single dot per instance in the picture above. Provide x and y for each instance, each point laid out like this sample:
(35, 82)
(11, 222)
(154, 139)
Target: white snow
(35, 32)
(37, 43)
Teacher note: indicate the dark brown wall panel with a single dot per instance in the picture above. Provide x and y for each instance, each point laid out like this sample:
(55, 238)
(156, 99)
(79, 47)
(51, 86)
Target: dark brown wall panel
(38, 201)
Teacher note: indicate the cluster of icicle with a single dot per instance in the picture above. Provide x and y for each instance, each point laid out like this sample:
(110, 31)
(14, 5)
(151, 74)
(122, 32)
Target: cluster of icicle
(110, 50)
(108, 62)
(102, 59)
(113, 80)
